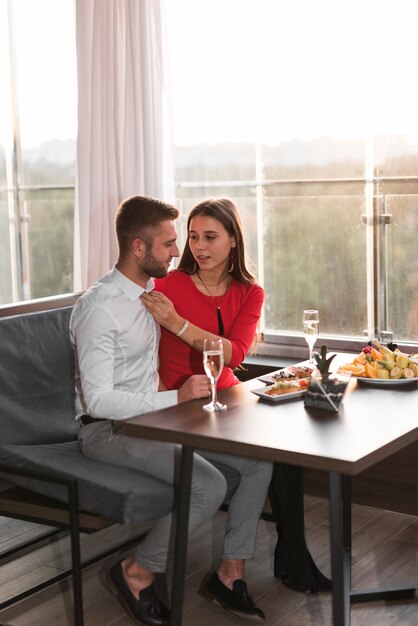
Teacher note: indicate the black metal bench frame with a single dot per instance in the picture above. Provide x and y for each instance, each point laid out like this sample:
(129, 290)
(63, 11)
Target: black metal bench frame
(50, 512)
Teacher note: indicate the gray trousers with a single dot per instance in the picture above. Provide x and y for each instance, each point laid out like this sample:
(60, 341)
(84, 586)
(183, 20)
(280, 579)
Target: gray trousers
(207, 490)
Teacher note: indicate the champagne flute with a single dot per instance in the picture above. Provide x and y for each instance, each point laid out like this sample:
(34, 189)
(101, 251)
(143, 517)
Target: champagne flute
(311, 330)
(213, 362)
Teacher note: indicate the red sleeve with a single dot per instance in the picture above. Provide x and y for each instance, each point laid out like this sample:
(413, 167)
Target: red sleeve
(244, 325)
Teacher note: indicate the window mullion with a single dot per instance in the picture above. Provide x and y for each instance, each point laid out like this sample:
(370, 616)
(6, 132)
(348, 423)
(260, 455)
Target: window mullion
(17, 209)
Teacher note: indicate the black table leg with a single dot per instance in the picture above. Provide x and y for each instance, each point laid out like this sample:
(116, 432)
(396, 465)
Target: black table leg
(346, 485)
(182, 527)
(75, 554)
(340, 555)
(401, 592)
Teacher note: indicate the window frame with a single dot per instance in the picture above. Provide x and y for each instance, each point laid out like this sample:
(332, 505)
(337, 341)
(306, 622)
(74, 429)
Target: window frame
(280, 343)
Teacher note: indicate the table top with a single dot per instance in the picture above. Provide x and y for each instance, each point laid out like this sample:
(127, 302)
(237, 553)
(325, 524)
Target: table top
(372, 424)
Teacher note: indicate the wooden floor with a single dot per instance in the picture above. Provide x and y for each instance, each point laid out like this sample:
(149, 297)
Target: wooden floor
(385, 547)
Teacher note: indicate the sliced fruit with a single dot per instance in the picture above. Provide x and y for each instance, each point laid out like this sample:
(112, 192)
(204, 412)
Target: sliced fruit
(414, 367)
(408, 372)
(388, 354)
(377, 345)
(389, 365)
(396, 372)
(361, 358)
(383, 373)
(376, 354)
(385, 351)
(371, 371)
(355, 368)
(402, 361)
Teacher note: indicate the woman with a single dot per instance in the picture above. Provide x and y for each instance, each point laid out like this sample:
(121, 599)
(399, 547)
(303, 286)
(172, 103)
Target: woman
(213, 294)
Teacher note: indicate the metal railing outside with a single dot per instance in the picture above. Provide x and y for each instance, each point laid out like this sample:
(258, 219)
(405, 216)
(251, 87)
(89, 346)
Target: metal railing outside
(376, 220)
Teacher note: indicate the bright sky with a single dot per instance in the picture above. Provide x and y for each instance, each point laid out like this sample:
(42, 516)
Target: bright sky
(46, 64)
(244, 70)
(274, 69)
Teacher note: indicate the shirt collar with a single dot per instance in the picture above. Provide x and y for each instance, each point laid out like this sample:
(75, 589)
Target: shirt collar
(131, 289)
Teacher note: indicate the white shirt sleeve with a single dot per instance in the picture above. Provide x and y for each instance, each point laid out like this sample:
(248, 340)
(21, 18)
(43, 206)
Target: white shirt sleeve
(94, 333)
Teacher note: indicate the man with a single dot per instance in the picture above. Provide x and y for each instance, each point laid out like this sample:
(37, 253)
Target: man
(116, 347)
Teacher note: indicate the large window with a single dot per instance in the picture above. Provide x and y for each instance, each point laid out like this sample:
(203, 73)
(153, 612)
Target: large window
(37, 147)
(305, 113)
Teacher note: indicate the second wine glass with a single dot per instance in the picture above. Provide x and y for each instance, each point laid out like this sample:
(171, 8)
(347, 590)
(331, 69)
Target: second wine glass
(310, 330)
(213, 362)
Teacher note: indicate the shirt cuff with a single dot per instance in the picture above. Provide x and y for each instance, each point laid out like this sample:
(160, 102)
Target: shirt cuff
(163, 399)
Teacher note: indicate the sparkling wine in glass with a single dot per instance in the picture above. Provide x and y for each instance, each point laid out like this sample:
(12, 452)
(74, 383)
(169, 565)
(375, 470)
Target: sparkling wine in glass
(311, 330)
(213, 362)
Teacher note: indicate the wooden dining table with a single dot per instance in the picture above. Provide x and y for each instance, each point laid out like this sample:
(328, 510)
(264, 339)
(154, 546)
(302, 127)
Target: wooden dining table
(372, 423)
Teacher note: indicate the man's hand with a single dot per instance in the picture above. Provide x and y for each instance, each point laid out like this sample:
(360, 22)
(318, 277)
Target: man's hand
(197, 386)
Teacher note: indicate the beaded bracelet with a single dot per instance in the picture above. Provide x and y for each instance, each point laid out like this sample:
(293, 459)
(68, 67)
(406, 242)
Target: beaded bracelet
(183, 328)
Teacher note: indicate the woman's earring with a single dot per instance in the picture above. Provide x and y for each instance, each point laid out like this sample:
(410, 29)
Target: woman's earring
(231, 260)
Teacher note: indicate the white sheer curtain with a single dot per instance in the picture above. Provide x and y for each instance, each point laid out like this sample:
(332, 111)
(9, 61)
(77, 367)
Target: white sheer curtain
(124, 142)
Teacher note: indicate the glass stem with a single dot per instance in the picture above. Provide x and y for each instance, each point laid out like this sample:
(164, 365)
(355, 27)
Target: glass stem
(213, 390)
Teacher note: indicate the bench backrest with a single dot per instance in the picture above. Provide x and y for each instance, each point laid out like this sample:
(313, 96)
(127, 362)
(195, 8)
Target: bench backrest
(37, 378)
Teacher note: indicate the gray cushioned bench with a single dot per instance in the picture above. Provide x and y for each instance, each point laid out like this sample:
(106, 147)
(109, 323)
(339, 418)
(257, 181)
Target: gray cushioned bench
(39, 452)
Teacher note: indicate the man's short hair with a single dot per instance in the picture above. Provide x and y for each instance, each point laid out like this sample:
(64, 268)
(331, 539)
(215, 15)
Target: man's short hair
(138, 217)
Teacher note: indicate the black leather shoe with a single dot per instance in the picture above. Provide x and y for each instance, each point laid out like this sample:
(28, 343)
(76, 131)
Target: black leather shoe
(148, 610)
(236, 601)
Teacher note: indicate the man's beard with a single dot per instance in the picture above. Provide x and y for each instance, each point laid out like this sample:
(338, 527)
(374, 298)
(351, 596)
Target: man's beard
(153, 267)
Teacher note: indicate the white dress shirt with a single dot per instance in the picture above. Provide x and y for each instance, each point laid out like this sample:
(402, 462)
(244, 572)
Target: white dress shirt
(116, 349)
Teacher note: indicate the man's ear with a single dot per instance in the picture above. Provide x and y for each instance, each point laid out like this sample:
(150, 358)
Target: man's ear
(138, 247)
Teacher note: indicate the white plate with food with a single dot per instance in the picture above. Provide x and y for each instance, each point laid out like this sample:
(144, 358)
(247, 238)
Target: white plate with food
(283, 390)
(292, 372)
(385, 382)
(379, 366)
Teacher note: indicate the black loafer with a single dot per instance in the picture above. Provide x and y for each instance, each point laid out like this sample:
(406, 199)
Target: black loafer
(236, 601)
(148, 610)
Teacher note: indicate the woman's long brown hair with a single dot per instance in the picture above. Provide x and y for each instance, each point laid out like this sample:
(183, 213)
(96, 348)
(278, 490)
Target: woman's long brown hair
(226, 212)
